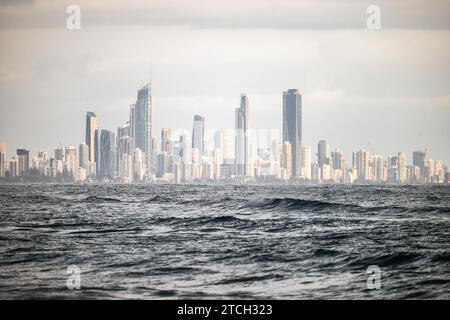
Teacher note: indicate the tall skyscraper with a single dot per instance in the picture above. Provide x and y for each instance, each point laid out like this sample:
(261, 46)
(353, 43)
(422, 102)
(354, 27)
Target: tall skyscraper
(361, 162)
(13, 167)
(143, 125)
(132, 120)
(83, 151)
(323, 153)
(286, 159)
(72, 161)
(107, 154)
(185, 149)
(23, 157)
(198, 136)
(420, 160)
(292, 126)
(402, 167)
(125, 146)
(97, 149)
(91, 127)
(138, 164)
(306, 162)
(379, 166)
(2, 159)
(336, 159)
(166, 142)
(124, 158)
(223, 140)
(60, 153)
(163, 165)
(242, 146)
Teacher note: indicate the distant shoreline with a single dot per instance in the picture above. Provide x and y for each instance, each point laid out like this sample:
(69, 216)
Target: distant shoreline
(26, 181)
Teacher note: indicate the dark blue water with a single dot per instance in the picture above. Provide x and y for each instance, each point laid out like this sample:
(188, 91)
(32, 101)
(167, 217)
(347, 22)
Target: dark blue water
(209, 241)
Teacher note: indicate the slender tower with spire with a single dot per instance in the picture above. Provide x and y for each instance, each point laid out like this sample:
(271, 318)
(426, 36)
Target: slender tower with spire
(242, 137)
(143, 124)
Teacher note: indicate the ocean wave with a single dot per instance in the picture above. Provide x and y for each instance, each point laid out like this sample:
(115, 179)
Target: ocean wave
(222, 219)
(36, 199)
(442, 257)
(102, 231)
(250, 279)
(158, 199)
(292, 203)
(387, 260)
(320, 252)
(318, 205)
(96, 199)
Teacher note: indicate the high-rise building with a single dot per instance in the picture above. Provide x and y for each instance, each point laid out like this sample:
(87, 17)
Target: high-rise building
(198, 136)
(40, 163)
(2, 159)
(323, 153)
(132, 120)
(107, 154)
(223, 140)
(23, 158)
(138, 164)
(361, 162)
(72, 161)
(13, 167)
(164, 164)
(242, 147)
(430, 171)
(143, 125)
(326, 172)
(402, 168)
(216, 161)
(336, 159)
(306, 162)
(125, 170)
(166, 142)
(420, 160)
(91, 128)
(60, 153)
(286, 160)
(185, 152)
(97, 150)
(124, 143)
(83, 155)
(125, 146)
(393, 174)
(292, 126)
(439, 172)
(379, 170)
(218, 139)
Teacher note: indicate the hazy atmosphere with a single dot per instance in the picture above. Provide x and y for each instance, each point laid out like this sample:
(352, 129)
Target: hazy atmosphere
(254, 151)
(389, 87)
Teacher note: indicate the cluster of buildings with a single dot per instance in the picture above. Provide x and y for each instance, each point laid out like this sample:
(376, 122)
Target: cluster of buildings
(132, 154)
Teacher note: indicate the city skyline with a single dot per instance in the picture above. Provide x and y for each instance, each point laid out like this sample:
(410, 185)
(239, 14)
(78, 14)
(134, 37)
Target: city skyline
(137, 128)
(138, 156)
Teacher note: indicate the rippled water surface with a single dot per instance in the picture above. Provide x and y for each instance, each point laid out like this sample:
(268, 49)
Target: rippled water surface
(211, 241)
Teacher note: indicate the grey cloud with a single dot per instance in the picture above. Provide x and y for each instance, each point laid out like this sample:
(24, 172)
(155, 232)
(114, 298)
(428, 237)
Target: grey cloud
(15, 2)
(350, 14)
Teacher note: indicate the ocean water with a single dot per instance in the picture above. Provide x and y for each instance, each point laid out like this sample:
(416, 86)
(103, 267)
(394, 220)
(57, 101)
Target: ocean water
(224, 241)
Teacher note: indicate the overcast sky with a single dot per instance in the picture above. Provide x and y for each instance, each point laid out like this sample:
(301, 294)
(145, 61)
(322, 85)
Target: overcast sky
(389, 87)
